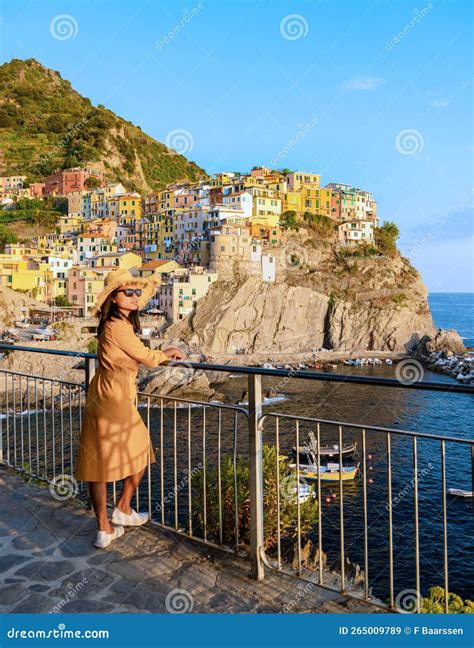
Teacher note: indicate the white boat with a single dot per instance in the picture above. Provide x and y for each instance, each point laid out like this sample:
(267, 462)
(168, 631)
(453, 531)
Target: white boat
(305, 492)
(22, 324)
(459, 492)
(388, 361)
(268, 365)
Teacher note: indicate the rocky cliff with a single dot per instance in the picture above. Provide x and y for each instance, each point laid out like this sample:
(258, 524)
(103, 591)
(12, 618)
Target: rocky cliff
(321, 298)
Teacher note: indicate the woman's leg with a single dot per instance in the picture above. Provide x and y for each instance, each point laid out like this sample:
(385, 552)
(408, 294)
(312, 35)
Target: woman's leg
(98, 494)
(129, 487)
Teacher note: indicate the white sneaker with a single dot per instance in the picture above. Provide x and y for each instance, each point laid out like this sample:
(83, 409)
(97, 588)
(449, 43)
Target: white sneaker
(132, 519)
(104, 539)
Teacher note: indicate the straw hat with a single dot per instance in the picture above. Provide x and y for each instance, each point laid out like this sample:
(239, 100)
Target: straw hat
(121, 277)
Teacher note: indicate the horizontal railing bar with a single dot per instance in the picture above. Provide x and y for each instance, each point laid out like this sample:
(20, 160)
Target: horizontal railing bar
(45, 378)
(194, 402)
(374, 428)
(61, 352)
(303, 375)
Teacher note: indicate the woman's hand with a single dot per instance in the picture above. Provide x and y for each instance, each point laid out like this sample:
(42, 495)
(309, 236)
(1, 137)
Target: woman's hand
(174, 353)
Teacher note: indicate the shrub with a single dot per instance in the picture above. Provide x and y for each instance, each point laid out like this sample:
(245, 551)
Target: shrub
(288, 504)
(434, 603)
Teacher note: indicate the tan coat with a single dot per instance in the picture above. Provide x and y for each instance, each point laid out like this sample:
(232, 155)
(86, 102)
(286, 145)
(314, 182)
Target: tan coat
(114, 440)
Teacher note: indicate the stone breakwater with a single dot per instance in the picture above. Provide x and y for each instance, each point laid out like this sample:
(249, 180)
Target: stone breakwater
(455, 365)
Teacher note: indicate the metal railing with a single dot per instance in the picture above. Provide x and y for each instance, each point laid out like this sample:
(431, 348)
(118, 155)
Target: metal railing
(215, 480)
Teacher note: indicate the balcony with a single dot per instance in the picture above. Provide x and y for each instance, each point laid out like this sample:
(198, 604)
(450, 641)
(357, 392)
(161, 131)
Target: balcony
(221, 479)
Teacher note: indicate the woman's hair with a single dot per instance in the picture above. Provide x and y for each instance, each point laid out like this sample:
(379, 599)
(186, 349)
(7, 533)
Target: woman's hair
(110, 311)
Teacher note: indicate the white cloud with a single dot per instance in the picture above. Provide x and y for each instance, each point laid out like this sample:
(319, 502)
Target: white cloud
(363, 83)
(440, 103)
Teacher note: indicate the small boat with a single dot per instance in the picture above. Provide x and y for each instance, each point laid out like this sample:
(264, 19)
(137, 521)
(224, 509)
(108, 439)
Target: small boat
(268, 365)
(458, 492)
(329, 451)
(330, 472)
(388, 361)
(377, 361)
(304, 492)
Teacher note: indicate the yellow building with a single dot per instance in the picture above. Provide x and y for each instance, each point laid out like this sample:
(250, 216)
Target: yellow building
(316, 201)
(266, 207)
(30, 277)
(298, 179)
(158, 266)
(130, 209)
(69, 224)
(291, 201)
(111, 260)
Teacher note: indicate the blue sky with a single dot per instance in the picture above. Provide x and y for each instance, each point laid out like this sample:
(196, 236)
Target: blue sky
(377, 94)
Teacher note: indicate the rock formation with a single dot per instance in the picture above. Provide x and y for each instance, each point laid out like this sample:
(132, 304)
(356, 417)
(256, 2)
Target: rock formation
(325, 299)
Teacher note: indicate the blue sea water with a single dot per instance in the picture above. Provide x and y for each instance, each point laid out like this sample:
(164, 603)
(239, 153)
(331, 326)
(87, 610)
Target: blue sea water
(454, 311)
(431, 413)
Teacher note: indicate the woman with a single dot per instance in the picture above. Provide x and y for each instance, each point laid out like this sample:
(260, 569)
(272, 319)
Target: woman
(114, 441)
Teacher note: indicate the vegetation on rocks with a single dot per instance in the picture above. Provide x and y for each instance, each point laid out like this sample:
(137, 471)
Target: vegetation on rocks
(46, 125)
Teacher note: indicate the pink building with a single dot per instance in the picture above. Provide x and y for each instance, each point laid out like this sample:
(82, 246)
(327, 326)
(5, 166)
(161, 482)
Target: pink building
(37, 189)
(63, 182)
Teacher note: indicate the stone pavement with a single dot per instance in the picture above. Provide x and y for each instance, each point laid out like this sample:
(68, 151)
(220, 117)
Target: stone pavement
(48, 564)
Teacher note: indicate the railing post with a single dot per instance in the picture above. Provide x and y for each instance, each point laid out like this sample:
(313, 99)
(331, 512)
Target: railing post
(91, 365)
(256, 476)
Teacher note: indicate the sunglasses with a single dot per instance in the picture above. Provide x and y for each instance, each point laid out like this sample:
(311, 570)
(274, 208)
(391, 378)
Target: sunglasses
(129, 292)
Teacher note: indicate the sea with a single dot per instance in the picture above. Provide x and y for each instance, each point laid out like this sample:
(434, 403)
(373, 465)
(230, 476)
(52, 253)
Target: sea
(400, 409)
(338, 407)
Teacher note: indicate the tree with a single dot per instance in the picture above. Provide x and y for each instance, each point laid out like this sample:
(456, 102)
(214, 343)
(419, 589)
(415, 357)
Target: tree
(6, 236)
(288, 220)
(92, 183)
(391, 229)
(386, 238)
(61, 301)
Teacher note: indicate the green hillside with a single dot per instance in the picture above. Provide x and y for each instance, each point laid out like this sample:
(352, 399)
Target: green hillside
(45, 125)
